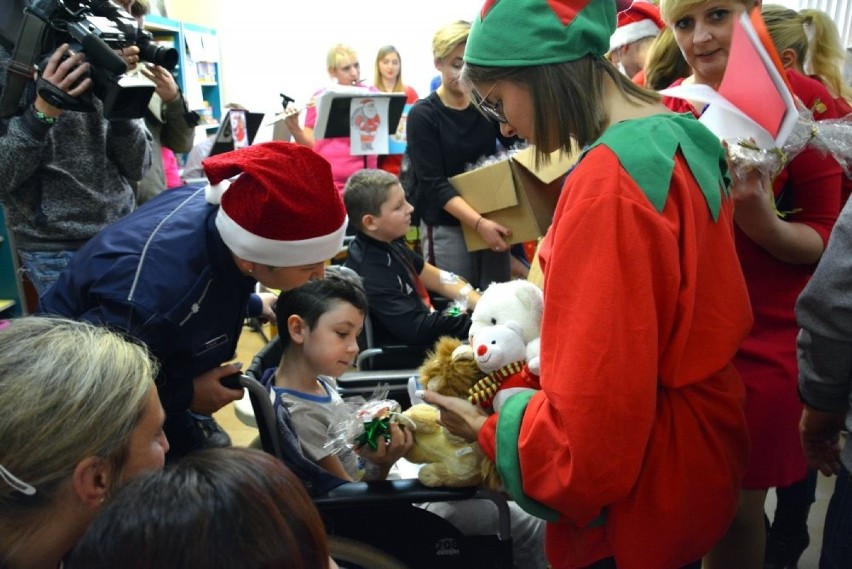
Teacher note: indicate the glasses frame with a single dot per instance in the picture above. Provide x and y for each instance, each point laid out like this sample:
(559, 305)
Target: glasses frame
(487, 109)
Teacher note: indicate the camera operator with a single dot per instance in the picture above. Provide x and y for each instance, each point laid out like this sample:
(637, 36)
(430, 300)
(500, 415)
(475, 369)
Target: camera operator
(64, 175)
(166, 116)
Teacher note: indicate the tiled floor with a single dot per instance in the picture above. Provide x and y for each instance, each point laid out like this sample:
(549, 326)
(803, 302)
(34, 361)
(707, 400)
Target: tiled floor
(242, 435)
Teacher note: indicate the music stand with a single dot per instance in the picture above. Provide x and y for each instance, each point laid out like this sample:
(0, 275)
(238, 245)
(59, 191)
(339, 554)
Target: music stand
(333, 111)
(224, 141)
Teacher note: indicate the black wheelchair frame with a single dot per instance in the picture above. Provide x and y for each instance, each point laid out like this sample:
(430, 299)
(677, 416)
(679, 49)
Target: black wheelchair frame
(377, 525)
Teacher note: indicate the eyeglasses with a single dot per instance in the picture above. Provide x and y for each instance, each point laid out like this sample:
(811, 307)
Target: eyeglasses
(493, 112)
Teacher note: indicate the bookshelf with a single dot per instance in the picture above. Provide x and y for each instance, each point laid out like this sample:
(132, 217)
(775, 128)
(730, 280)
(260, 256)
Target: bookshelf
(11, 292)
(198, 69)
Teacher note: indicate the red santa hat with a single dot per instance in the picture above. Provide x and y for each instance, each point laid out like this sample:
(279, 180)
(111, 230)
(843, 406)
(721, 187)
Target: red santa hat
(640, 20)
(277, 204)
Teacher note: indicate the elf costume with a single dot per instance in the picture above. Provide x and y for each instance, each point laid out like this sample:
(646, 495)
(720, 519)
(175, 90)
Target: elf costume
(635, 446)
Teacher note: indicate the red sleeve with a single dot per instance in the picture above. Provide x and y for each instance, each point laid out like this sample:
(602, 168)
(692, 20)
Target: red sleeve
(814, 184)
(812, 180)
(488, 437)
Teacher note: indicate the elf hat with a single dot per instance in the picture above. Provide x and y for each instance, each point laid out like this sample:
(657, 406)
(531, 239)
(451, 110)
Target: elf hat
(282, 209)
(640, 20)
(509, 33)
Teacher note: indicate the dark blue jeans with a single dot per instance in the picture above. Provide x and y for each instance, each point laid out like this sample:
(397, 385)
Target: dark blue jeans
(837, 532)
(44, 267)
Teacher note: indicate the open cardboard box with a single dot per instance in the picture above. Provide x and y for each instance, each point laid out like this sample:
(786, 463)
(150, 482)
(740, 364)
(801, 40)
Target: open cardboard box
(515, 194)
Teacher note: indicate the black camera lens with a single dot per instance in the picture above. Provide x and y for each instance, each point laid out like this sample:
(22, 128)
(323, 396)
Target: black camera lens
(158, 55)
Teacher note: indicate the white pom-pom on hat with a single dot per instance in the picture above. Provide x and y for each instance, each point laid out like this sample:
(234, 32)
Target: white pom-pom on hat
(281, 207)
(213, 192)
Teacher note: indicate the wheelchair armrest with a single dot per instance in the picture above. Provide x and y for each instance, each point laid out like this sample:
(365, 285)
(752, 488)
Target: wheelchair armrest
(266, 426)
(363, 384)
(403, 355)
(389, 491)
(392, 376)
(411, 491)
(365, 355)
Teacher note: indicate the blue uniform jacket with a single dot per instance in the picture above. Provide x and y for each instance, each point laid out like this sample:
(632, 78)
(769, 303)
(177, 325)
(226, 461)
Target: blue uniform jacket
(163, 275)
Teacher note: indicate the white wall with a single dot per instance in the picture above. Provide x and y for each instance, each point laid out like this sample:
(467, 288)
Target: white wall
(273, 46)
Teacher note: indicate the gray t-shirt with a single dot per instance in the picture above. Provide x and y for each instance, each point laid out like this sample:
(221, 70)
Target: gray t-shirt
(313, 416)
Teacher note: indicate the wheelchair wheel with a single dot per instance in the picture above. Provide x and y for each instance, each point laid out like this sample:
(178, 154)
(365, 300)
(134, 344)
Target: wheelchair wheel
(351, 554)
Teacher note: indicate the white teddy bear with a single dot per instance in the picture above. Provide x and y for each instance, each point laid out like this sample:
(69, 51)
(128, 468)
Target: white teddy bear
(504, 336)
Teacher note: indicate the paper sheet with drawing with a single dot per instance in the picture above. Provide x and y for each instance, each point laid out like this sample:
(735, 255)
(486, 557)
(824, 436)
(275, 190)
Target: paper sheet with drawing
(367, 118)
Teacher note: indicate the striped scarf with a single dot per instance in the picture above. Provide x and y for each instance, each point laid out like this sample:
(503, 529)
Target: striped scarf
(482, 393)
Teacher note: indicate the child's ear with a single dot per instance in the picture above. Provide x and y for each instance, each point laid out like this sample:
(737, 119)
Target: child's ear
(368, 222)
(296, 327)
(92, 478)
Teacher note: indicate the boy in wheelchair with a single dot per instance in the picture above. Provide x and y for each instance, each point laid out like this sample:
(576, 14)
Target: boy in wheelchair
(319, 323)
(397, 280)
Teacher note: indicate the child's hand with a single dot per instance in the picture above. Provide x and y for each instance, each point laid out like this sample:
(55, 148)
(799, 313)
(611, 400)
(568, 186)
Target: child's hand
(386, 455)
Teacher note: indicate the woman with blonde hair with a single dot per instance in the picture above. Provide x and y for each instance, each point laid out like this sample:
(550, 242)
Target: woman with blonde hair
(387, 78)
(79, 417)
(782, 226)
(344, 69)
(446, 134)
(808, 42)
(664, 63)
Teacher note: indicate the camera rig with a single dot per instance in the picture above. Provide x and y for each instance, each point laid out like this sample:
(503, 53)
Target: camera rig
(97, 28)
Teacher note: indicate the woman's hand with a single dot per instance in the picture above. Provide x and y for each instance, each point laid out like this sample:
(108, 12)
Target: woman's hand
(291, 117)
(755, 214)
(457, 415)
(166, 87)
(130, 55)
(493, 234)
(751, 190)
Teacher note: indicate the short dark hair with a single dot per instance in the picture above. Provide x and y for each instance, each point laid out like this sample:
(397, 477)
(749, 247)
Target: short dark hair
(315, 298)
(223, 507)
(365, 192)
(566, 97)
(140, 8)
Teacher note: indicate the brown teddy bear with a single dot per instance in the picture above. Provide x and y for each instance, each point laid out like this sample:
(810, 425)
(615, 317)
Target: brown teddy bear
(450, 369)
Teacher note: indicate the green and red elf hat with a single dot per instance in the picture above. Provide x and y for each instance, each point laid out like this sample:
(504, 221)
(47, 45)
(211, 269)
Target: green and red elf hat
(509, 33)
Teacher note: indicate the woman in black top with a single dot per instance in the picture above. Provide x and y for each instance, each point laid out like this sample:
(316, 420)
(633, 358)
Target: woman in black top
(445, 135)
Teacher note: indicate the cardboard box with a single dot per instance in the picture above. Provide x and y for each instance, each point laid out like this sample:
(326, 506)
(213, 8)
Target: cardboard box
(515, 194)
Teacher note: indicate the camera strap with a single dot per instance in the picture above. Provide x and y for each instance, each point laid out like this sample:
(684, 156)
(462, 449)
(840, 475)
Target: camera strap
(21, 69)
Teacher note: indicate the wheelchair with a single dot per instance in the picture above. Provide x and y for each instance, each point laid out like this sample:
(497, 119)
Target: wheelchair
(376, 525)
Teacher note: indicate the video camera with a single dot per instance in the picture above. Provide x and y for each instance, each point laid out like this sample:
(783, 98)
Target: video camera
(96, 28)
